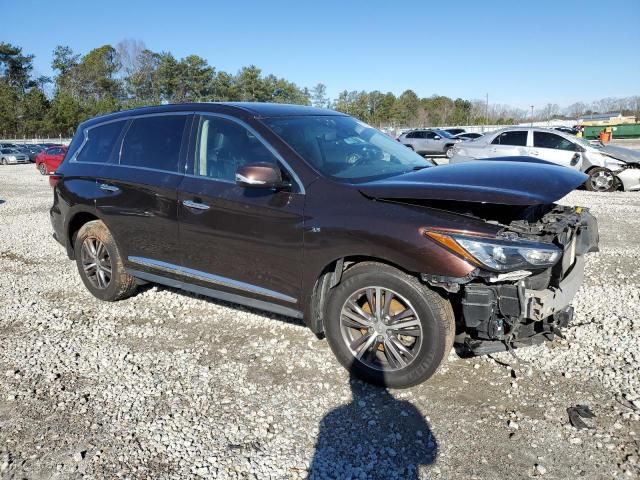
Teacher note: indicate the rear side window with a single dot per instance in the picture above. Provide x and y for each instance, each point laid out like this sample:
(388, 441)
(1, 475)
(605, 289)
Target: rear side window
(100, 142)
(551, 140)
(154, 142)
(517, 138)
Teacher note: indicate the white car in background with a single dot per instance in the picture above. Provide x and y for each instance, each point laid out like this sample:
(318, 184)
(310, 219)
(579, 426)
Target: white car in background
(609, 167)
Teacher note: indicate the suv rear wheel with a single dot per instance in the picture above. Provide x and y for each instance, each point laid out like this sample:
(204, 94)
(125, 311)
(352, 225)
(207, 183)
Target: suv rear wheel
(386, 327)
(100, 264)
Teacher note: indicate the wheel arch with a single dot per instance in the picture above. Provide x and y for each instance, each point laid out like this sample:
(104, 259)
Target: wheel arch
(618, 183)
(76, 222)
(329, 277)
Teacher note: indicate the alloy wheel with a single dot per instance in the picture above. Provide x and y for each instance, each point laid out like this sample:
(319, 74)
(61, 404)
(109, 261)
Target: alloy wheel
(449, 152)
(96, 262)
(602, 181)
(381, 328)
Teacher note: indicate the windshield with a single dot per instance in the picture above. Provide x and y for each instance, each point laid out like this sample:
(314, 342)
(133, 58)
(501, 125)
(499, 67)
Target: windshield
(444, 134)
(345, 148)
(585, 143)
(9, 150)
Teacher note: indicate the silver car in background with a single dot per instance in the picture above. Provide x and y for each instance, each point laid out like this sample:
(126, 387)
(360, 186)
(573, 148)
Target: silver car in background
(609, 168)
(429, 141)
(12, 156)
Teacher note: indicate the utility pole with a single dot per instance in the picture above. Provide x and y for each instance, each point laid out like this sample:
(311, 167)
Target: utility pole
(532, 115)
(486, 116)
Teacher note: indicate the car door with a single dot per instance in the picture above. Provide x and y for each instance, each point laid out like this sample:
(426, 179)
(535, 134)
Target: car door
(233, 238)
(139, 188)
(432, 142)
(509, 144)
(555, 148)
(412, 139)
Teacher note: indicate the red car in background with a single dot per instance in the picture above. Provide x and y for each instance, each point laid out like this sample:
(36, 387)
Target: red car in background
(48, 160)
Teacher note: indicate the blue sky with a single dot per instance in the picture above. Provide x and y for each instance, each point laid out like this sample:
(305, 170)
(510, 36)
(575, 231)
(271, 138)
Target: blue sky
(520, 52)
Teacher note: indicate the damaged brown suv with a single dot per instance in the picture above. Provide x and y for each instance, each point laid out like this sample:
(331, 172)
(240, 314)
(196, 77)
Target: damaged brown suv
(312, 214)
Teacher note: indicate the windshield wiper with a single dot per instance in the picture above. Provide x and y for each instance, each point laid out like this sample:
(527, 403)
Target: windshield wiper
(420, 167)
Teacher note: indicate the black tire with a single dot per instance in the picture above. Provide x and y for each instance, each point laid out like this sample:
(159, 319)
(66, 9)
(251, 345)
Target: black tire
(42, 168)
(600, 180)
(434, 314)
(4, 161)
(120, 284)
(448, 151)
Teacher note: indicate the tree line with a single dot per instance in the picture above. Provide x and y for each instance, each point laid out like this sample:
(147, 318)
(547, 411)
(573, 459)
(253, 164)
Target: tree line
(129, 75)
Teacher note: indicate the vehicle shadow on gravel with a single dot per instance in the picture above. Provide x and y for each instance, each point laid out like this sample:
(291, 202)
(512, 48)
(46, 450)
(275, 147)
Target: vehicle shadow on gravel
(373, 436)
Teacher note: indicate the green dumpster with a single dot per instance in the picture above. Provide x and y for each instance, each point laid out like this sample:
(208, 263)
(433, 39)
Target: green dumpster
(624, 130)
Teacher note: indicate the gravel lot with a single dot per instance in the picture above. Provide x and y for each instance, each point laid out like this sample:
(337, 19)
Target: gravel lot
(170, 385)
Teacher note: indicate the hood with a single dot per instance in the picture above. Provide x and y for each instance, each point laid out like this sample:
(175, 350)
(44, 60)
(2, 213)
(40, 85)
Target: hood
(496, 182)
(621, 153)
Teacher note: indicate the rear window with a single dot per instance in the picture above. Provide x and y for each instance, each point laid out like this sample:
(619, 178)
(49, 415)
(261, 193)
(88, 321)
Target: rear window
(154, 142)
(517, 138)
(100, 142)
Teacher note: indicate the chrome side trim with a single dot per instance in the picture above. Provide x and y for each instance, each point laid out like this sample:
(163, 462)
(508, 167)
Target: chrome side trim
(210, 278)
(209, 292)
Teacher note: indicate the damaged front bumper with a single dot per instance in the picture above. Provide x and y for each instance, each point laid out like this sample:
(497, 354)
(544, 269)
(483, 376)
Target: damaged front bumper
(630, 178)
(500, 315)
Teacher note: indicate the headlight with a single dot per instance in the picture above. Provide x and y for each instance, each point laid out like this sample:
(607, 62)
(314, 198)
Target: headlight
(498, 254)
(13, 158)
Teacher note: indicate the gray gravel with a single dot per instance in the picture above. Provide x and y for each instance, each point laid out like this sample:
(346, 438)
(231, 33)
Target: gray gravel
(170, 385)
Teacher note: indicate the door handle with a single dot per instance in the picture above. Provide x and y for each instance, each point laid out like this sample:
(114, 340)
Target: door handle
(534, 152)
(196, 205)
(108, 188)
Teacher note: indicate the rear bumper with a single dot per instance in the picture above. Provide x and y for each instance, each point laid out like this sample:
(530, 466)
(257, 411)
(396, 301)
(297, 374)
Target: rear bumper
(57, 222)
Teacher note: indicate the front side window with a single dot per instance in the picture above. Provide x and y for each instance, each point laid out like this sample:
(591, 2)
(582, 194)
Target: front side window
(100, 142)
(345, 148)
(516, 138)
(551, 140)
(154, 142)
(224, 145)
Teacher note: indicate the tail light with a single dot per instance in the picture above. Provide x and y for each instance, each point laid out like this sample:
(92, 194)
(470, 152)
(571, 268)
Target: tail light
(54, 179)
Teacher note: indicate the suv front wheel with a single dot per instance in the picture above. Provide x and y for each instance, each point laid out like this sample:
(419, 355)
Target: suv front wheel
(386, 327)
(100, 264)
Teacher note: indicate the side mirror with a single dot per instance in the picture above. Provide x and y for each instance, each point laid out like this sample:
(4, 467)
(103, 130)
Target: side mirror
(260, 175)
(437, 137)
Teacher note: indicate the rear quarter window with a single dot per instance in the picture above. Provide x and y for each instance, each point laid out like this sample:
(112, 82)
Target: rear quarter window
(100, 142)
